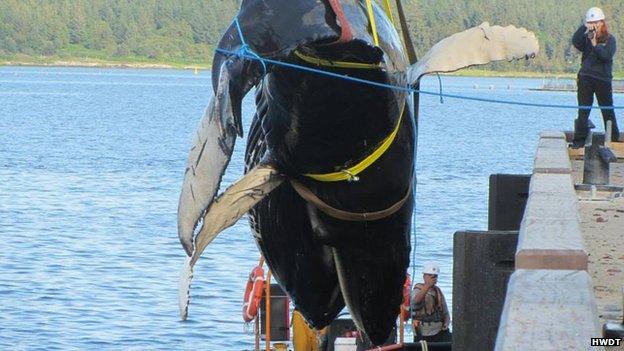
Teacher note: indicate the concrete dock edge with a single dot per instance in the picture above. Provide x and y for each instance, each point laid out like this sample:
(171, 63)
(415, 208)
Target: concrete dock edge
(550, 303)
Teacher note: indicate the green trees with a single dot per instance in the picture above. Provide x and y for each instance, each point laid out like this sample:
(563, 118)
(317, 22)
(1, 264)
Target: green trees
(552, 21)
(161, 30)
(188, 30)
(30, 32)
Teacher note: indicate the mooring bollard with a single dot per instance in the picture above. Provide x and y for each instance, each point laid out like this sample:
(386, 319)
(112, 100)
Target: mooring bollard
(612, 329)
(597, 158)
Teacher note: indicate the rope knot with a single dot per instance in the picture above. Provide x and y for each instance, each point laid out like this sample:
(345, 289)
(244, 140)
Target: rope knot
(352, 177)
(243, 51)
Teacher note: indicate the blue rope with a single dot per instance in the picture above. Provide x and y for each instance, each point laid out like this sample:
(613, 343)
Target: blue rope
(440, 85)
(245, 52)
(415, 126)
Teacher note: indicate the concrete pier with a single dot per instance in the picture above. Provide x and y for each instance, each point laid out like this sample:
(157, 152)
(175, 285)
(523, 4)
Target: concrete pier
(602, 224)
(570, 256)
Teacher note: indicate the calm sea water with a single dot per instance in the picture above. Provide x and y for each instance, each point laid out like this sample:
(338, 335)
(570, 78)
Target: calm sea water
(91, 163)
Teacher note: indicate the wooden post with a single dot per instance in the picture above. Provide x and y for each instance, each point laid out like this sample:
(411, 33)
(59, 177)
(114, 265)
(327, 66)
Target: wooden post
(257, 332)
(402, 325)
(268, 311)
(257, 319)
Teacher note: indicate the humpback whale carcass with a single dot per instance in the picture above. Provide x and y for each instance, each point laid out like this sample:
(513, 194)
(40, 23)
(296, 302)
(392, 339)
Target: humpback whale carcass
(329, 161)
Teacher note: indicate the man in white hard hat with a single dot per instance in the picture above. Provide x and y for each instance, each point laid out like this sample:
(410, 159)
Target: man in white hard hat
(598, 47)
(430, 316)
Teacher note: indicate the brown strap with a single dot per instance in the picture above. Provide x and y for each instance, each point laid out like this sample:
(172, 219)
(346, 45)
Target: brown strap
(439, 297)
(310, 197)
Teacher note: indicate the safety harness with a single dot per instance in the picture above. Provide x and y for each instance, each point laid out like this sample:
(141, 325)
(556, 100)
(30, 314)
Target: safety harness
(420, 314)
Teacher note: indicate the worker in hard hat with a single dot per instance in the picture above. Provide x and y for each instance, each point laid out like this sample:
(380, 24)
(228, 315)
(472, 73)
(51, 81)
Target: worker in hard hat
(592, 38)
(430, 315)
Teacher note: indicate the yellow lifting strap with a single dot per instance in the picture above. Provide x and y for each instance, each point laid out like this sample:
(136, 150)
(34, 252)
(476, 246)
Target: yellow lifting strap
(340, 64)
(351, 172)
(389, 11)
(371, 18)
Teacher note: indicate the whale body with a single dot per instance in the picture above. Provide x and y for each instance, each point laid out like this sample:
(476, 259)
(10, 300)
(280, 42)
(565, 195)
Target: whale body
(329, 161)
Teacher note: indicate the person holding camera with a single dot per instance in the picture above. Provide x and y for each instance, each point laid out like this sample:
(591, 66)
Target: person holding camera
(598, 47)
(430, 315)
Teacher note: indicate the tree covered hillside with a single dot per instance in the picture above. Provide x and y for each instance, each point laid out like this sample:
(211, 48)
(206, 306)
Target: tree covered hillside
(186, 31)
(159, 30)
(553, 22)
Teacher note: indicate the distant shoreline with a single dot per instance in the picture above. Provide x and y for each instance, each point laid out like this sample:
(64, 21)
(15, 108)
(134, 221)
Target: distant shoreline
(97, 63)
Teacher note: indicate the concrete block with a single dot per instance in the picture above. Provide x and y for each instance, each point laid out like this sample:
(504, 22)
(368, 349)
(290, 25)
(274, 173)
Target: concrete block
(552, 160)
(507, 200)
(548, 143)
(552, 183)
(482, 264)
(548, 310)
(549, 243)
(555, 206)
(551, 196)
(550, 233)
(552, 134)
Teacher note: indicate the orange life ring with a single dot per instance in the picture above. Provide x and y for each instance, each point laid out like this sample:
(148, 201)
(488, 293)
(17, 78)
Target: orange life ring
(253, 294)
(405, 305)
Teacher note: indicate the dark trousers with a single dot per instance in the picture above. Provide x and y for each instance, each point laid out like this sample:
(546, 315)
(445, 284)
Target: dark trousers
(587, 87)
(442, 336)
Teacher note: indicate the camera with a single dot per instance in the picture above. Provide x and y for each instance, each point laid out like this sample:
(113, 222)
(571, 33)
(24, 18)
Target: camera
(590, 33)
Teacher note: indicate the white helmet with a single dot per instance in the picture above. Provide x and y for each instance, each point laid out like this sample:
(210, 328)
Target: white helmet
(431, 268)
(594, 14)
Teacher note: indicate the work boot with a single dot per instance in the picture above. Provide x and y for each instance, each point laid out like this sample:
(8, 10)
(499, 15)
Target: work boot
(581, 129)
(615, 131)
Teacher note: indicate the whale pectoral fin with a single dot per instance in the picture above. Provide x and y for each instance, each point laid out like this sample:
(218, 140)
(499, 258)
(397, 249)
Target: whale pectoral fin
(212, 146)
(234, 202)
(223, 212)
(209, 156)
(476, 46)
